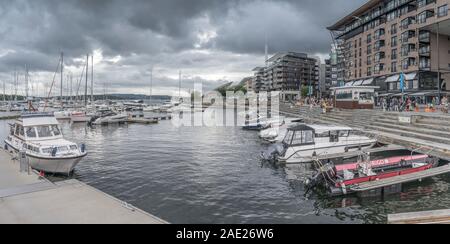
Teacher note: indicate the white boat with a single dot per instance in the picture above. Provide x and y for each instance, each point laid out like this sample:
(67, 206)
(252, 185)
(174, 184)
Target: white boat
(262, 123)
(79, 117)
(62, 115)
(277, 132)
(303, 142)
(111, 118)
(40, 137)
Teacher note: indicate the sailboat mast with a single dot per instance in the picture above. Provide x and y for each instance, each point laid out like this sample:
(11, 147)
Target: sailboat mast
(86, 85)
(62, 73)
(26, 82)
(151, 85)
(92, 78)
(179, 86)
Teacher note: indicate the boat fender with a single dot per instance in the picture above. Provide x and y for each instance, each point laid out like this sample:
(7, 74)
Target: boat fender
(54, 151)
(83, 148)
(344, 189)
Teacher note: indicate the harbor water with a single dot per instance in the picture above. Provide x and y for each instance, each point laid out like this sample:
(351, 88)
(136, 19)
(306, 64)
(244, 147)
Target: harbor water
(214, 175)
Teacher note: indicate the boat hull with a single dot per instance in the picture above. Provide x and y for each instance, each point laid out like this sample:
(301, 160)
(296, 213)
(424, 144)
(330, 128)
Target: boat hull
(306, 155)
(57, 165)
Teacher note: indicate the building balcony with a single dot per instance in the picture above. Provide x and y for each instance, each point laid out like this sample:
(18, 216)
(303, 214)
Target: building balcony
(425, 50)
(424, 37)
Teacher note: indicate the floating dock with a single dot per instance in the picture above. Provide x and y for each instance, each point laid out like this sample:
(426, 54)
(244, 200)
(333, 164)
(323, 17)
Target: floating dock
(427, 217)
(9, 115)
(26, 198)
(142, 121)
(389, 184)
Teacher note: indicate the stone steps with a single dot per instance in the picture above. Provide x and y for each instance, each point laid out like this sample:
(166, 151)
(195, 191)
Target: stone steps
(413, 128)
(410, 134)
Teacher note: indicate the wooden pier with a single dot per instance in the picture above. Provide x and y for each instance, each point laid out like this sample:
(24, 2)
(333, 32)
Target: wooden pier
(427, 217)
(26, 198)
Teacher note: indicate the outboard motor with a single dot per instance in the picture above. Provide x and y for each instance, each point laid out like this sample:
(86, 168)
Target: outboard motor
(273, 152)
(83, 148)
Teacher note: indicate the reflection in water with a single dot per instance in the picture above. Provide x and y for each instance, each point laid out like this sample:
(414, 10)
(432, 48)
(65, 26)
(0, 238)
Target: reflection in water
(214, 175)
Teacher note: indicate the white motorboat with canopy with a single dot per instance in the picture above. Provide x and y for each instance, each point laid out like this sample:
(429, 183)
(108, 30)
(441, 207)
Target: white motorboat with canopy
(40, 137)
(303, 142)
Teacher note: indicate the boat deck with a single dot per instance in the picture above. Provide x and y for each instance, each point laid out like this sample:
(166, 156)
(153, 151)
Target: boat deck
(28, 199)
(401, 179)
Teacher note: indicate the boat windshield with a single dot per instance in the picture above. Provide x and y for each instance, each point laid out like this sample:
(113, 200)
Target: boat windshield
(31, 132)
(288, 138)
(48, 131)
(303, 137)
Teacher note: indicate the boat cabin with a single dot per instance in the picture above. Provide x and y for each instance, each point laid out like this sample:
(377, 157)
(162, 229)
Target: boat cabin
(302, 135)
(354, 97)
(36, 127)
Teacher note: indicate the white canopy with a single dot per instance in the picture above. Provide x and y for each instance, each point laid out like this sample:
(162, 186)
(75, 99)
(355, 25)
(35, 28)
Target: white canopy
(358, 83)
(411, 76)
(367, 82)
(393, 78)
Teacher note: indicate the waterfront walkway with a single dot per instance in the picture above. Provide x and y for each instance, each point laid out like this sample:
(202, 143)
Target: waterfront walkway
(28, 199)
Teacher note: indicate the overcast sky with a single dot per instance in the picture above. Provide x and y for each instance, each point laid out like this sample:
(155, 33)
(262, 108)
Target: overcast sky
(212, 41)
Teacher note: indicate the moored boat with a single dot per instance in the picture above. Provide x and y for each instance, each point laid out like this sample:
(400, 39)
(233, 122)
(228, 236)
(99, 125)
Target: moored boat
(303, 142)
(341, 179)
(40, 137)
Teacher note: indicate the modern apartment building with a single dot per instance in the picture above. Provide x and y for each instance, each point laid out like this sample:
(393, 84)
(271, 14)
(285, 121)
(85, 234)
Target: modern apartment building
(288, 72)
(385, 38)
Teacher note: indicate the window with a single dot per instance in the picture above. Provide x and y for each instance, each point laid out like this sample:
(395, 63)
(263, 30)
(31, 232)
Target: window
(55, 130)
(394, 41)
(369, 38)
(369, 60)
(394, 54)
(334, 136)
(443, 11)
(288, 138)
(394, 67)
(31, 132)
(303, 137)
(344, 133)
(21, 131)
(44, 131)
(393, 29)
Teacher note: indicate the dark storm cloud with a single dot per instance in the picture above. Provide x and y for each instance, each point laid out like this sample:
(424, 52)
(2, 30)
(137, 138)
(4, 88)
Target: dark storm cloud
(143, 32)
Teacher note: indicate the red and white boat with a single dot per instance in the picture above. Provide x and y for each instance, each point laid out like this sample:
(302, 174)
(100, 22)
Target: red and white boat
(79, 117)
(340, 179)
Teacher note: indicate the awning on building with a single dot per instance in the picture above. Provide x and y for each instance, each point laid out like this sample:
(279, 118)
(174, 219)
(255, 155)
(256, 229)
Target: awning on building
(384, 95)
(400, 94)
(367, 82)
(393, 78)
(358, 83)
(349, 83)
(411, 76)
(419, 94)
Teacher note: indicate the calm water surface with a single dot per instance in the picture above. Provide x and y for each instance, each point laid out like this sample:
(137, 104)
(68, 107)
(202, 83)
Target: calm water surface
(214, 175)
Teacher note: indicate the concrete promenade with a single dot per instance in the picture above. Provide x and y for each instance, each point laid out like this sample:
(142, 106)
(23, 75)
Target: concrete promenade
(28, 199)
